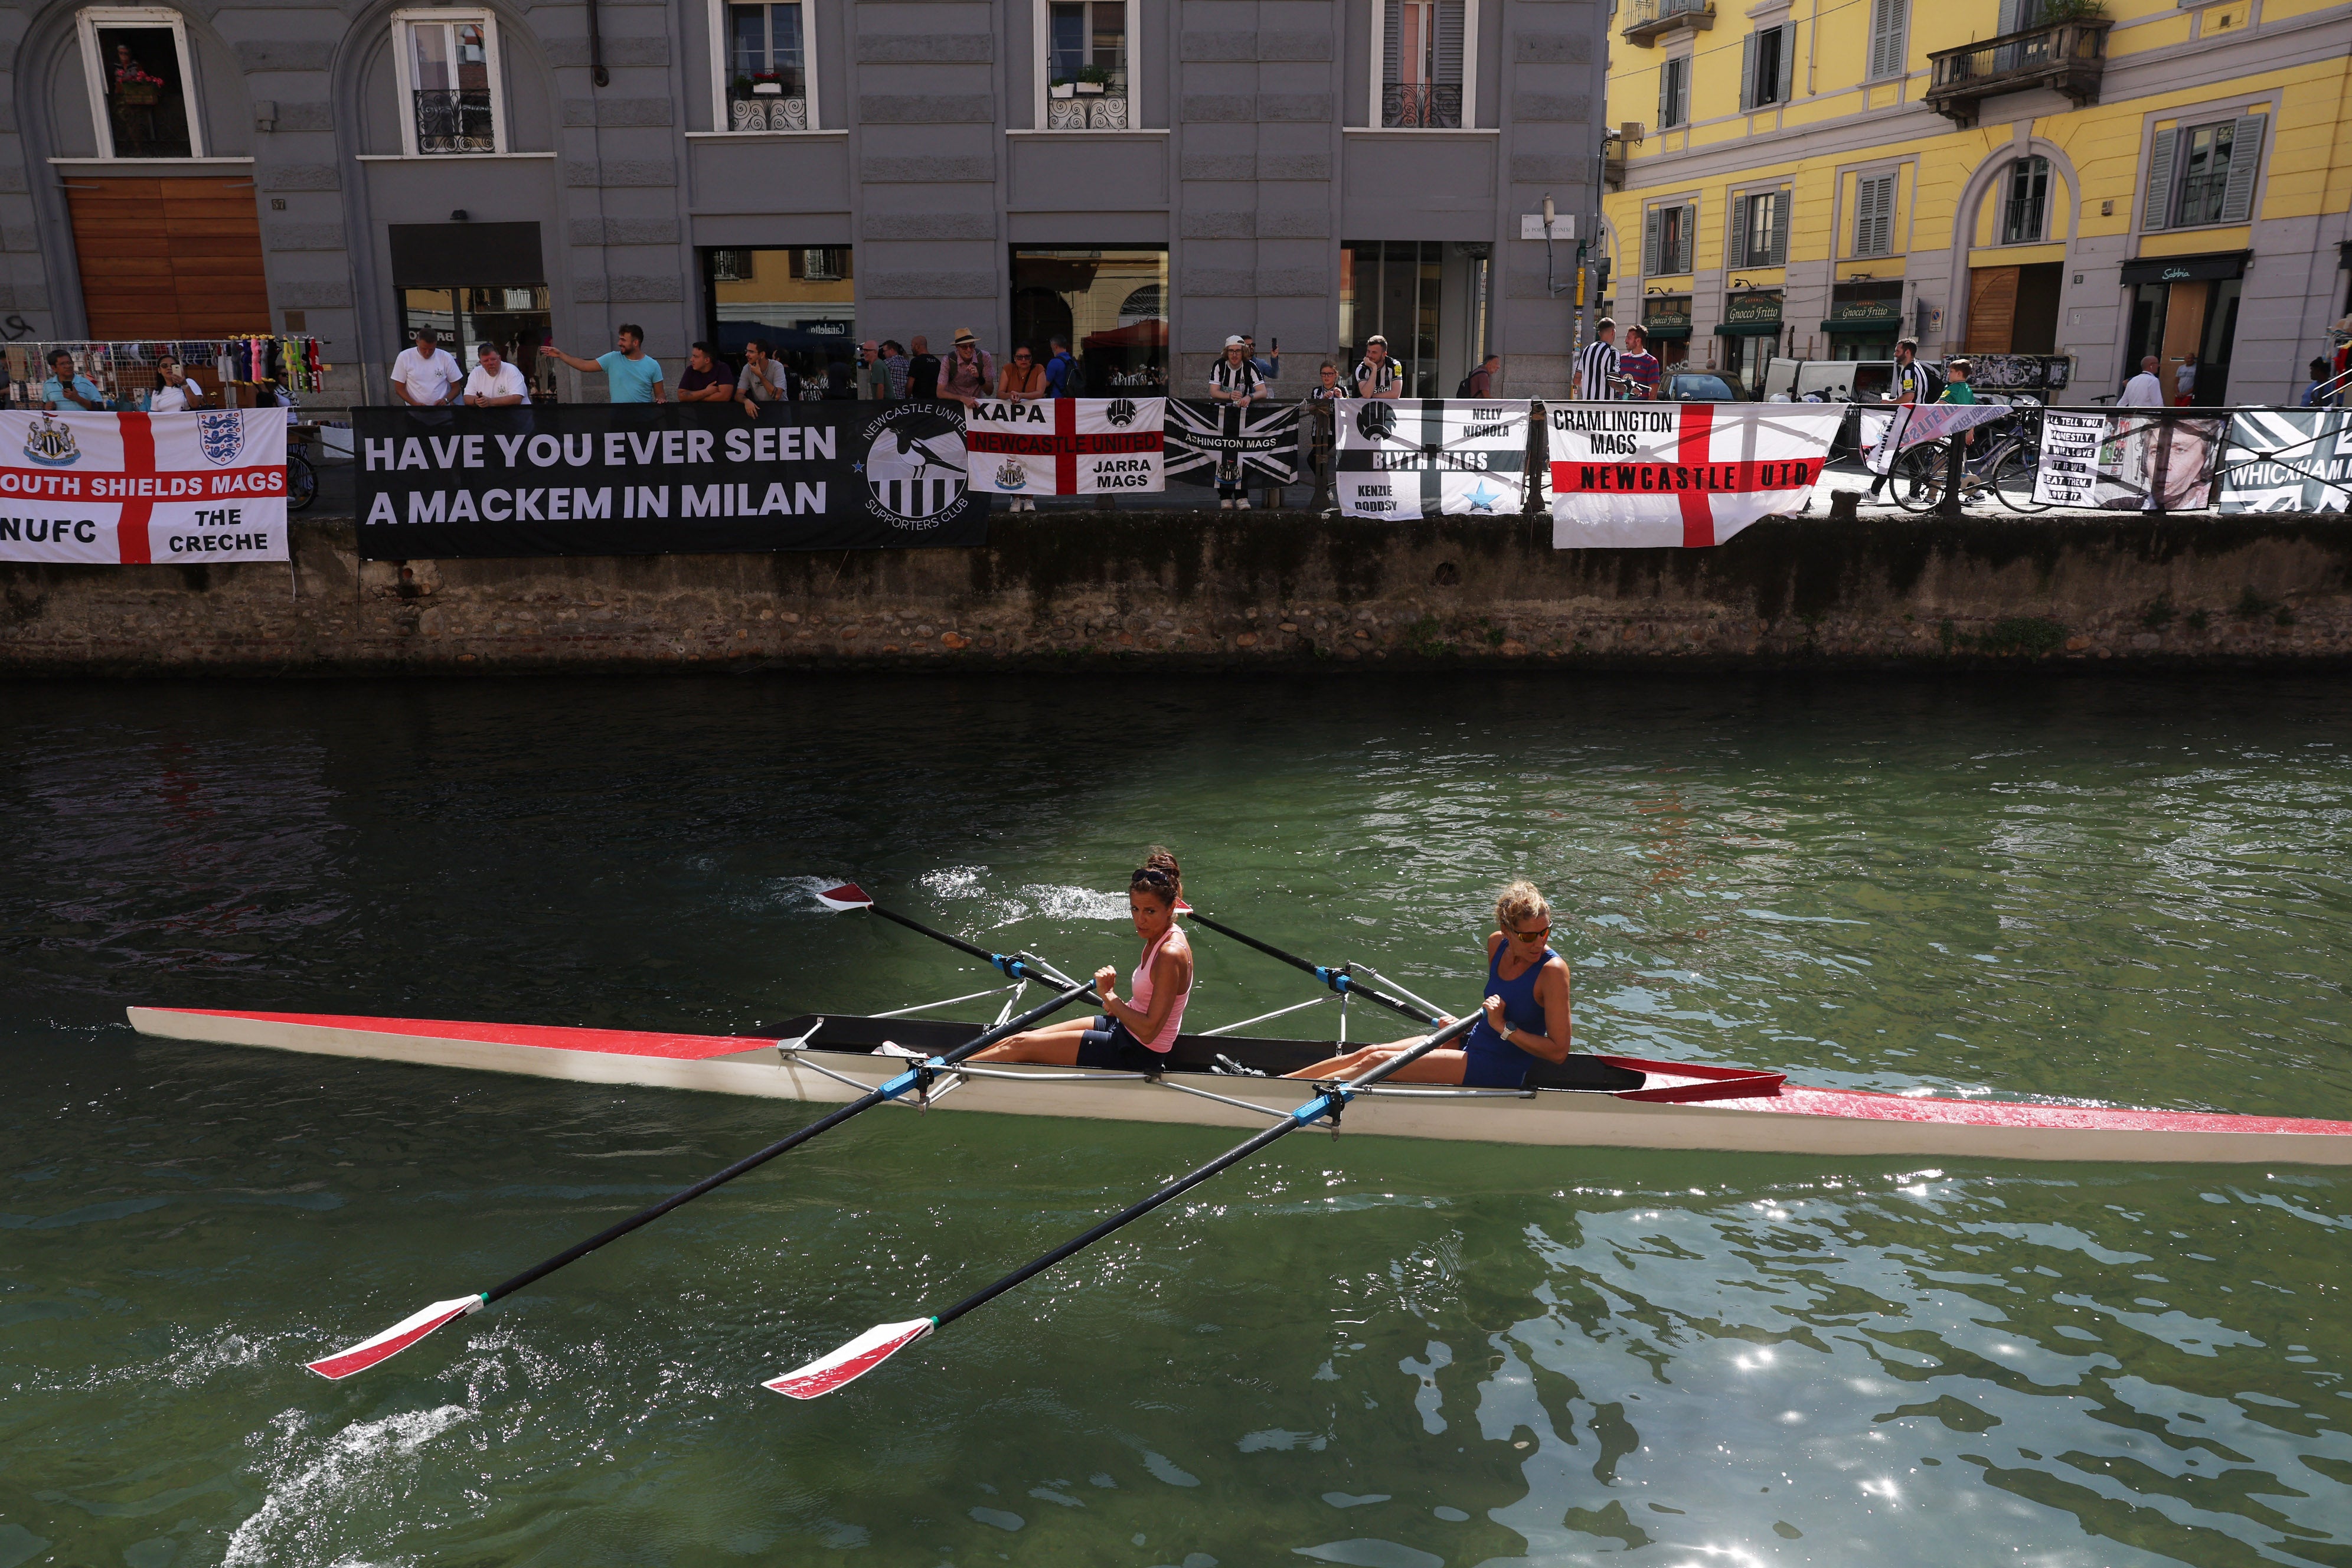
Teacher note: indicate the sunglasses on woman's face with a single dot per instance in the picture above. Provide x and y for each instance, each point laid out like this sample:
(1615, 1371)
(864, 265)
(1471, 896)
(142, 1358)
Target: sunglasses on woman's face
(1531, 935)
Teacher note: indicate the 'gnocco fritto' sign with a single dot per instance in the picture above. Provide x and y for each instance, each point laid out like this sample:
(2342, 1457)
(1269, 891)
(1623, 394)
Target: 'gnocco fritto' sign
(651, 478)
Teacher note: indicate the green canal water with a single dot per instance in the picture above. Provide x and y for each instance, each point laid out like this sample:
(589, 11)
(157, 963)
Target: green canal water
(1362, 1351)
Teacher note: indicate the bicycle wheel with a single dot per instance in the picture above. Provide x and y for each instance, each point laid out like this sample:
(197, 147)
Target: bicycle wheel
(1917, 479)
(301, 482)
(2013, 480)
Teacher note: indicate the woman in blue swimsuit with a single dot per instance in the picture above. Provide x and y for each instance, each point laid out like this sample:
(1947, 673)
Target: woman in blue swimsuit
(1527, 1018)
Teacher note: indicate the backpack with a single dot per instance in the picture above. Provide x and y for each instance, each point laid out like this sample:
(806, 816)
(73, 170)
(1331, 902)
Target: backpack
(1463, 389)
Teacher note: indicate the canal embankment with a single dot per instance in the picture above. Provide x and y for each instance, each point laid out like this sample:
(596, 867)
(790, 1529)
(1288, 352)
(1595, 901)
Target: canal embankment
(1247, 590)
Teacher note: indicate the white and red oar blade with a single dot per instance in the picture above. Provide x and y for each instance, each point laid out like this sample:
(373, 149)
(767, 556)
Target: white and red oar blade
(394, 1340)
(1182, 907)
(848, 895)
(851, 1362)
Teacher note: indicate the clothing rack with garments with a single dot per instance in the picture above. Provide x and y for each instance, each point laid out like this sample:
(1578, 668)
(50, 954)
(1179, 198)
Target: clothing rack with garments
(124, 372)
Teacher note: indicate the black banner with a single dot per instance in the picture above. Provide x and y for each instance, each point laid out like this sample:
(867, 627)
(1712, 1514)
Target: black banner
(660, 479)
(1254, 446)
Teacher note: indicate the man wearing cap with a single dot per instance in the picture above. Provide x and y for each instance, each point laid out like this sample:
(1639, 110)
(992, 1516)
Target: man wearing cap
(970, 372)
(1377, 375)
(1234, 383)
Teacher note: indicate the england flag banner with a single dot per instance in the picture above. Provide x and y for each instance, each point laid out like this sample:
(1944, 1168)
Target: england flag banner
(131, 488)
(1430, 456)
(1067, 446)
(1647, 476)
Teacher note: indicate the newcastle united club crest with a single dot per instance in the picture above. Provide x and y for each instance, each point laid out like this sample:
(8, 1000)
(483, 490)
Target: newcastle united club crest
(221, 434)
(50, 443)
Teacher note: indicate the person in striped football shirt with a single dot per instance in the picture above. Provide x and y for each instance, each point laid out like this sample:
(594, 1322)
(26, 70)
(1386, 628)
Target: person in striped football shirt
(1598, 362)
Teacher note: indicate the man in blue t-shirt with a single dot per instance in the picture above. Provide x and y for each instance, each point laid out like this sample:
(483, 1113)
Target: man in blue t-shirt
(1058, 368)
(67, 390)
(633, 374)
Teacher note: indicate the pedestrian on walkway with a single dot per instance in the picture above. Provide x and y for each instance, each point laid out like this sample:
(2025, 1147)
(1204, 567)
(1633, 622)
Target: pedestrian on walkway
(894, 366)
(1598, 362)
(706, 380)
(1061, 370)
(1638, 369)
(923, 373)
(2144, 391)
(2319, 394)
(495, 384)
(765, 379)
(1234, 383)
(1910, 386)
(1376, 375)
(970, 372)
(1480, 383)
(1269, 366)
(2184, 380)
(425, 377)
(631, 374)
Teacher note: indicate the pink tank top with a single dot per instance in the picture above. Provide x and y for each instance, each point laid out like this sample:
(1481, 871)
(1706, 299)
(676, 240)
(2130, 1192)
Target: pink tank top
(1140, 995)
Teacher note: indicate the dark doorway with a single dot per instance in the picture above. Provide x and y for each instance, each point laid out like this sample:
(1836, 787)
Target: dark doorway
(2034, 328)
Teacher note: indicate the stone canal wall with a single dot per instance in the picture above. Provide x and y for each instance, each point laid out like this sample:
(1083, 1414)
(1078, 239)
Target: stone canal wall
(1075, 590)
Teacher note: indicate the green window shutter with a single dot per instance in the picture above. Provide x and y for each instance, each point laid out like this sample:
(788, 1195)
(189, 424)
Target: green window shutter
(2156, 204)
(1665, 93)
(1886, 38)
(1748, 72)
(1686, 257)
(1649, 243)
(1780, 229)
(1393, 43)
(2008, 22)
(2245, 157)
(1787, 60)
(1735, 250)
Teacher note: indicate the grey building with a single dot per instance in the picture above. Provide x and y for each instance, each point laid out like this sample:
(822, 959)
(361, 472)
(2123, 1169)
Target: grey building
(1144, 177)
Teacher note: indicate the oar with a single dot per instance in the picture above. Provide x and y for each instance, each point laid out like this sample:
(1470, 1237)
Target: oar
(408, 1331)
(877, 1344)
(1020, 967)
(1338, 980)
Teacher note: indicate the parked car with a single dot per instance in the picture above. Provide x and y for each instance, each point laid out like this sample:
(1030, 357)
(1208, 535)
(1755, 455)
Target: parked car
(1695, 386)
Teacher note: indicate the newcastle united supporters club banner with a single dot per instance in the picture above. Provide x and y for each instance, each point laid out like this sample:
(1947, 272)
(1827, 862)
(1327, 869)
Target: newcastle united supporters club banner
(1252, 447)
(1427, 456)
(1066, 446)
(131, 489)
(648, 479)
(1635, 476)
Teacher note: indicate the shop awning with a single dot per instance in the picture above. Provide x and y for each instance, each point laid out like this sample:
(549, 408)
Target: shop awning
(1676, 331)
(2184, 269)
(1150, 335)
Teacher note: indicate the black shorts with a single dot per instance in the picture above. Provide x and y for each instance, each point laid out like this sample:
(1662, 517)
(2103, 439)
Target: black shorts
(1111, 1048)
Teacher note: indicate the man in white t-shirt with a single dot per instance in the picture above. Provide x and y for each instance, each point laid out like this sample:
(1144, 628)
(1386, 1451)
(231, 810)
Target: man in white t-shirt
(495, 384)
(2143, 391)
(425, 377)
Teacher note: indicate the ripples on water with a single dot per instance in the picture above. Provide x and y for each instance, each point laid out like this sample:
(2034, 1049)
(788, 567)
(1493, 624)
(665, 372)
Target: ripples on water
(1384, 1354)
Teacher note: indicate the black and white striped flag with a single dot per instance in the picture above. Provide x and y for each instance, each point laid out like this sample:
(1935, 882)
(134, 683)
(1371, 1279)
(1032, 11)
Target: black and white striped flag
(1427, 456)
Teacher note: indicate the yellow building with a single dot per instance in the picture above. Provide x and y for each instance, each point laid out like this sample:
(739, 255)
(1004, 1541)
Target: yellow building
(2095, 178)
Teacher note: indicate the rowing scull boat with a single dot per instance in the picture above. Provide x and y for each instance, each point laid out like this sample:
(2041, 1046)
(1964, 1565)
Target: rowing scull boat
(1597, 1100)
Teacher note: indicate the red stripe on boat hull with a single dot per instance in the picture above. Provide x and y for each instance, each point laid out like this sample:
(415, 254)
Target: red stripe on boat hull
(547, 1037)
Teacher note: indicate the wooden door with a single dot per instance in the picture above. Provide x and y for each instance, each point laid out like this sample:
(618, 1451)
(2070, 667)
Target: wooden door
(169, 258)
(1992, 309)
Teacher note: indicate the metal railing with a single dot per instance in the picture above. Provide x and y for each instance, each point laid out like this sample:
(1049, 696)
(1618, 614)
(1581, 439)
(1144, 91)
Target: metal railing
(454, 120)
(1644, 16)
(2020, 221)
(2069, 57)
(1420, 103)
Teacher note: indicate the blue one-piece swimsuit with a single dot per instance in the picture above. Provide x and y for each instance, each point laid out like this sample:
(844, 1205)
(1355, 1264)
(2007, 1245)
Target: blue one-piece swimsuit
(1489, 1060)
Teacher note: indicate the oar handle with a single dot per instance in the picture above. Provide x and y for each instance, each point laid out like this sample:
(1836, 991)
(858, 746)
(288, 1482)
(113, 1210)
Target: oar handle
(890, 1090)
(1337, 980)
(1312, 1111)
(1012, 965)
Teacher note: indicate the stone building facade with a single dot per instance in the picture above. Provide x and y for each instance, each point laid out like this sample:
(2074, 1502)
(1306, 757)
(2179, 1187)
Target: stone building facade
(1143, 175)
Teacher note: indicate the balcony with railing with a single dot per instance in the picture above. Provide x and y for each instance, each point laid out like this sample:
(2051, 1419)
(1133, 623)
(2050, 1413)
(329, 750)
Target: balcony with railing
(1421, 105)
(1647, 20)
(2068, 58)
(454, 120)
(770, 101)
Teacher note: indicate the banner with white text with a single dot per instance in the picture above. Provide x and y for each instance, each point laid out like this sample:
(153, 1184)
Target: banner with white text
(1068, 446)
(2288, 459)
(1212, 443)
(1431, 456)
(1646, 476)
(660, 477)
(2122, 460)
(1887, 432)
(131, 488)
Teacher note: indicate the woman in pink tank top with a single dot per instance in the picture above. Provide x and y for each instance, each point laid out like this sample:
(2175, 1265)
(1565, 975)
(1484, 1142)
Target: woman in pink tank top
(1133, 1036)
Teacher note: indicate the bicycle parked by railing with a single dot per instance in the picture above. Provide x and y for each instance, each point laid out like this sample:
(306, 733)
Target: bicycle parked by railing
(2004, 459)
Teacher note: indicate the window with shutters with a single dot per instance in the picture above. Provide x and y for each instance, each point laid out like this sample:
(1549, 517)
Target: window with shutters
(765, 80)
(1873, 215)
(1088, 48)
(1668, 239)
(1890, 37)
(2025, 214)
(1768, 61)
(446, 62)
(1423, 63)
(2203, 173)
(1759, 229)
(1673, 93)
